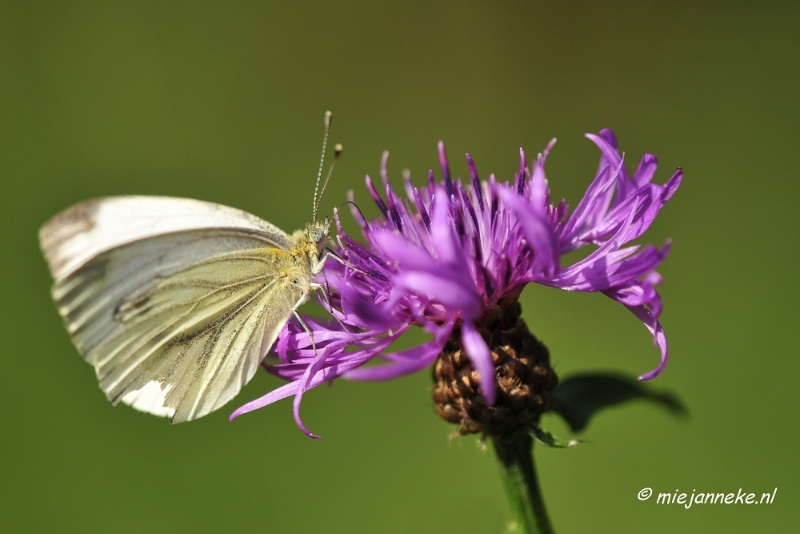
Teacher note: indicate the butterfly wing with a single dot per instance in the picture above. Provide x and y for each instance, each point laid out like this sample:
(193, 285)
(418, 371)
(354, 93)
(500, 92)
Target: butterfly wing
(85, 230)
(173, 301)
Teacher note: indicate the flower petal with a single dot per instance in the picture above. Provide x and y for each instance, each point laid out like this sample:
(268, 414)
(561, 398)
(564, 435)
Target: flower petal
(659, 338)
(446, 287)
(480, 356)
(645, 171)
(443, 238)
(363, 312)
(404, 362)
(537, 231)
(320, 377)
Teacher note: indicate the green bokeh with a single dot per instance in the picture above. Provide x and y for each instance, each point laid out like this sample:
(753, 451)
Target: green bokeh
(224, 102)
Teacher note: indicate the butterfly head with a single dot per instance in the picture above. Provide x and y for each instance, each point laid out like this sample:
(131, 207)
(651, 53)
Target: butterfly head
(309, 244)
(318, 232)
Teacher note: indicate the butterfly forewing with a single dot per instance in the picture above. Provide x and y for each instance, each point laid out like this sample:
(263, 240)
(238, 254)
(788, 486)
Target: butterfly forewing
(175, 316)
(80, 233)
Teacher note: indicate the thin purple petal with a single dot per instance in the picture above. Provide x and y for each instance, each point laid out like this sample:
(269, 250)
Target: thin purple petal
(404, 362)
(480, 356)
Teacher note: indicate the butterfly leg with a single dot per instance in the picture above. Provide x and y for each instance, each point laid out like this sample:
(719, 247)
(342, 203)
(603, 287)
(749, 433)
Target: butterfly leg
(308, 331)
(330, 252)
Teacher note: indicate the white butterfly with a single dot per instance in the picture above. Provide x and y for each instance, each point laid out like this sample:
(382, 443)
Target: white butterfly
(174, 301)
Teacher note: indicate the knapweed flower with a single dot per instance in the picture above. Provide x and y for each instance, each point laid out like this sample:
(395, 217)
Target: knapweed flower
(453, 259)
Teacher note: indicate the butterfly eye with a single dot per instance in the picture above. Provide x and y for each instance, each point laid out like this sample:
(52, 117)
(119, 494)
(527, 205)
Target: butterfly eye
(319, 232)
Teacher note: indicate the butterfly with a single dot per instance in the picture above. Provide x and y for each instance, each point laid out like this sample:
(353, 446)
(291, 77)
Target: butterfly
(175, 301)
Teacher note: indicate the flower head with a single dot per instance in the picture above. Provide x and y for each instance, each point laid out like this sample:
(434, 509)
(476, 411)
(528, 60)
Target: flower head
(454, 257)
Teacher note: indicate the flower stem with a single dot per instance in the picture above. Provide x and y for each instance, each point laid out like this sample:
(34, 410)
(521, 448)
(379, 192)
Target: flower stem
(515, 453)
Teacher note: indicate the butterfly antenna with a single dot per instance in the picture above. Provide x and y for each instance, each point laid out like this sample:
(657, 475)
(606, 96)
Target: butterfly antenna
(337, 151)
(328, 116)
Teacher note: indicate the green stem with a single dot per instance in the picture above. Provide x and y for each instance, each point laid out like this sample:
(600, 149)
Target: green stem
(519, 476)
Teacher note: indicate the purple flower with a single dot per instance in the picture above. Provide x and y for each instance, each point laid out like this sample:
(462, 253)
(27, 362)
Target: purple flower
(452, 253)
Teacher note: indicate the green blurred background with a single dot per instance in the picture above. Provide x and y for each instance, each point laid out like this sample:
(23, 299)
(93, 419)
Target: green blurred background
(224, 102)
